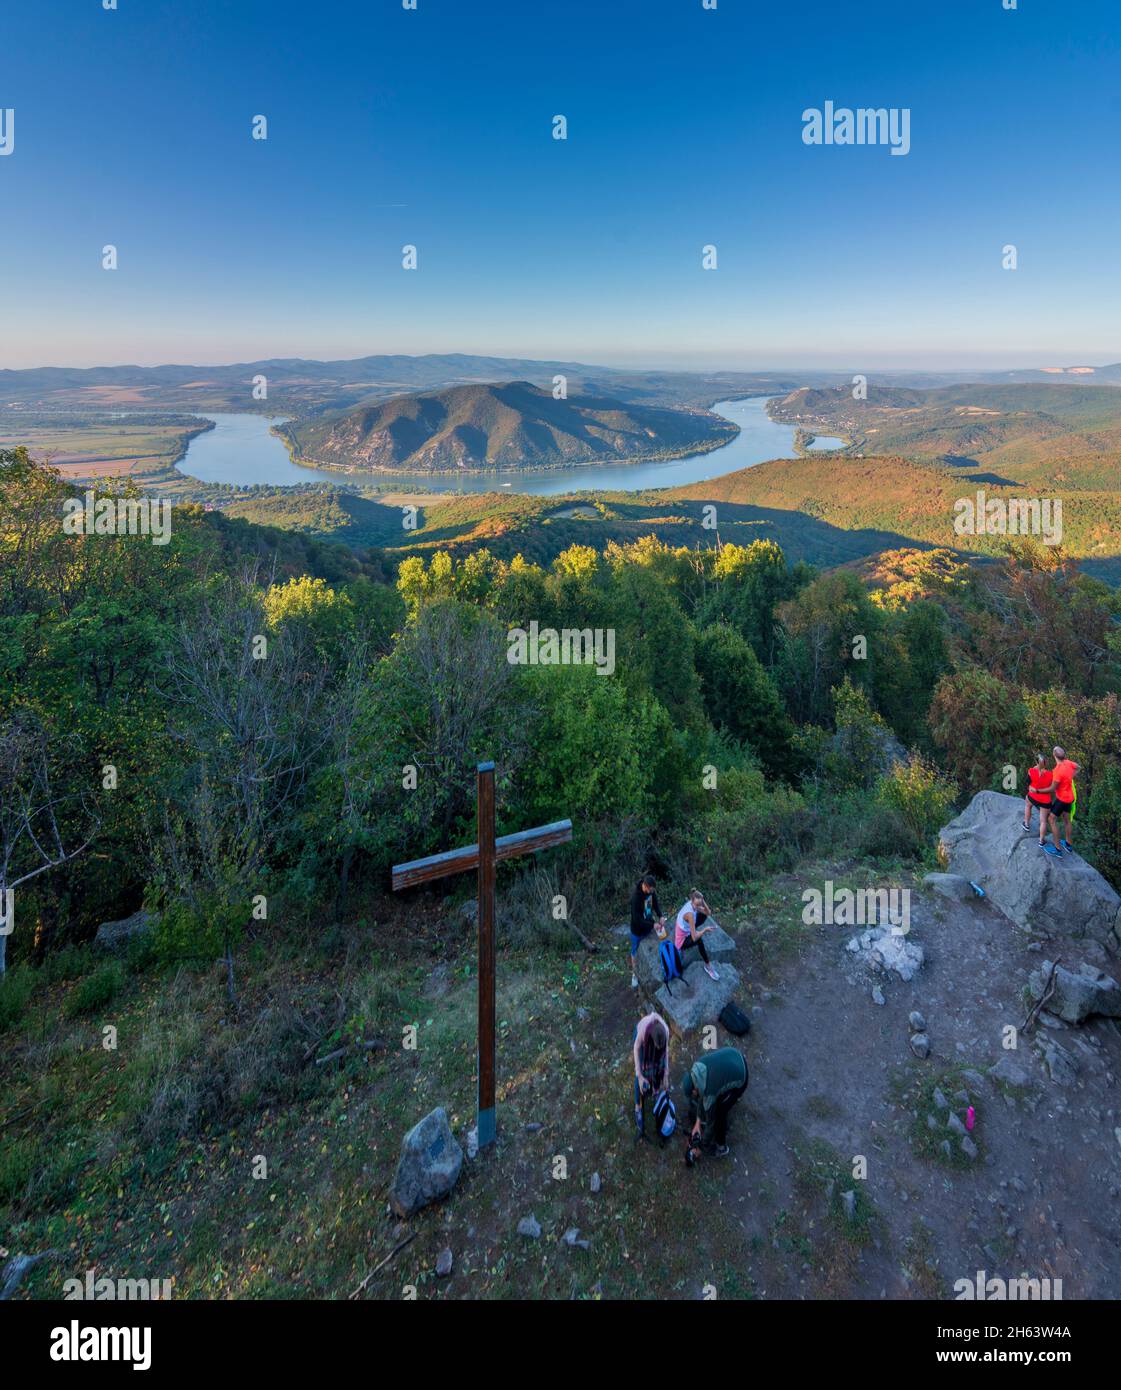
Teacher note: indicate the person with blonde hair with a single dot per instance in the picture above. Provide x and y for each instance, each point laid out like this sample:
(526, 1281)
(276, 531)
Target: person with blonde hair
(1038, 795)
(651, 1065)
(690, 929)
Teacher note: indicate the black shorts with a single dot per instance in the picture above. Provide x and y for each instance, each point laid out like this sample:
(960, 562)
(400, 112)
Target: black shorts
(1040, 805)
(1060, 808)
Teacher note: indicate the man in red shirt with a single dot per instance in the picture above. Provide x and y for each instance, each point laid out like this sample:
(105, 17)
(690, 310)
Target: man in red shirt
(1038, 795)
(1062, 799)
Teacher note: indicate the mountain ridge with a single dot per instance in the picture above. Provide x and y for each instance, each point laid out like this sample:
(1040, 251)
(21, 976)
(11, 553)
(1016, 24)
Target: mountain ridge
(511, 425)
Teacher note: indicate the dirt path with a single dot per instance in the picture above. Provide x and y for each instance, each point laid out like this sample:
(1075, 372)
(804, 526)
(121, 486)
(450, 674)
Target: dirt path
(827, 1063)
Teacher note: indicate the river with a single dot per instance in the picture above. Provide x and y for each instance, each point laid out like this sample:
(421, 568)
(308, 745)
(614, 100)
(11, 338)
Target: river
(240, 449)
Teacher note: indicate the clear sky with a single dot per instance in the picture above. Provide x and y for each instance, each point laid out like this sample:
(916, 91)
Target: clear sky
(434, 127)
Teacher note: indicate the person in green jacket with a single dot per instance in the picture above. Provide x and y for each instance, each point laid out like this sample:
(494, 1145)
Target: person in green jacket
(712, 1085)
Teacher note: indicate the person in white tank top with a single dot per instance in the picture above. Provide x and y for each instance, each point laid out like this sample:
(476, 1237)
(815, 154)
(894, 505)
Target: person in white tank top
(690, 928)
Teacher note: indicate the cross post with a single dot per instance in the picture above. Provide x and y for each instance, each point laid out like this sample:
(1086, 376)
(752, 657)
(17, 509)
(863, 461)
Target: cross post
(484, 856)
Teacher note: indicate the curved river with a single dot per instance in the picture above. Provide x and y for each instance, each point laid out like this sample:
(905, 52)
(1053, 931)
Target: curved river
(240, 449)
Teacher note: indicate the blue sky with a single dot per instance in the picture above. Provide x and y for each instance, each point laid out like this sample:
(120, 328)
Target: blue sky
(433, 127)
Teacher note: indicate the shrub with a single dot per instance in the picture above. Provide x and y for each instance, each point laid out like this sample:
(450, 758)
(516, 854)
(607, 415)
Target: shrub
(918, 793)
(1103, 823)
(15, 990)
(94, 992)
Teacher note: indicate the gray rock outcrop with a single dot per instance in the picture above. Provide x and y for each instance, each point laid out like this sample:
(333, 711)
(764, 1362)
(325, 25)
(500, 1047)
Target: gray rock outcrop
(695, 1000)
(986, 843)
(1078, 993)
(719, 945)
(117, 936)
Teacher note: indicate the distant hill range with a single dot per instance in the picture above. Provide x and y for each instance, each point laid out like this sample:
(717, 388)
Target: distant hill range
(1027, 432)
(303, 386)
(511, 425)
(307, 386)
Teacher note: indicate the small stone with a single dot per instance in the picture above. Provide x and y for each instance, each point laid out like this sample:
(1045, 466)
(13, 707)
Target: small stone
(573, 1241)
(955, 1124)
(528, 1226)
(848, 1200)
(968, 1147)
(932, 1122)
(940, 1100)
(920, 1045)
(594, 1184)
(962, 1097)
(533, 1127)
(975, 1079)
(877, 995)
(472, 1143)
(444, 1264)
(945, 1147)
(917, 1022)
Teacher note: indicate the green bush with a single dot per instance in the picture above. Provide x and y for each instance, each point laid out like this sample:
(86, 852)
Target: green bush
(15, 990)
(94, 992)
(190, 933)
(919, 795)
(1102, 831)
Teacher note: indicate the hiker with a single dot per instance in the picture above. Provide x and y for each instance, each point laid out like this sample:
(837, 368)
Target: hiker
(1062, 801)
(651, 1065)
(712, 1085)
(646, 916)
(689, 929)
(1039, 796)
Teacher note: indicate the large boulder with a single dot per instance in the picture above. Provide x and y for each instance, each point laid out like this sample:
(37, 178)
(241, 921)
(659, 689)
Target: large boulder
(950, 886)
(429, 1166)
(987, 844)
(695, 1000)
(1078, 994)
(719, 945)
(118, 936)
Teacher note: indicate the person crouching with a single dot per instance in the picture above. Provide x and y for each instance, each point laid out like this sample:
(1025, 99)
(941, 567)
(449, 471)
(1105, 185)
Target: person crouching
(712, 1085)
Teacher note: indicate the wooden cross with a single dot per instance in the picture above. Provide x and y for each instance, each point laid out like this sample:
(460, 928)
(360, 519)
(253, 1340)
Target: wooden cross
(484, 856)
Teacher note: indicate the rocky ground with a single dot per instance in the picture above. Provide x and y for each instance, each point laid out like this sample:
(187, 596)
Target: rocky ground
(827, 1062)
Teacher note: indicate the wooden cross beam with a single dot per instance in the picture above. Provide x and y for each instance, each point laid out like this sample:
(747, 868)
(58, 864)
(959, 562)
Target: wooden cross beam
(484, 856)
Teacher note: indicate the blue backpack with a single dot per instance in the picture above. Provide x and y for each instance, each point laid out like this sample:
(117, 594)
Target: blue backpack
(670, 957)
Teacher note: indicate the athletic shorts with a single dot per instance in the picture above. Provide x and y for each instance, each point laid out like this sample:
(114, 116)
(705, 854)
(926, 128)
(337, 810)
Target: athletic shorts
(1044, 805)
(1060, 808)
(636, 942)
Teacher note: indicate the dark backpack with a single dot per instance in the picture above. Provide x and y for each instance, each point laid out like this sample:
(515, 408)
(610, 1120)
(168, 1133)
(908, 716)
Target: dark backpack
(735, 1020)
(670, 957)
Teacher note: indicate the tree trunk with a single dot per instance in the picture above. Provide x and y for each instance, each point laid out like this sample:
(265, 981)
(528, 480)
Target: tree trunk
(7, 911)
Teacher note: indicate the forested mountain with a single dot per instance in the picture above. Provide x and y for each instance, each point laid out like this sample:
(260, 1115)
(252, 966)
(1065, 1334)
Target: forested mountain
(514, 425)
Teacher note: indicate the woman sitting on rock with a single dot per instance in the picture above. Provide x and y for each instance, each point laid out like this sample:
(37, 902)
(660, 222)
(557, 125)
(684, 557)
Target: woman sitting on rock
(689, 929)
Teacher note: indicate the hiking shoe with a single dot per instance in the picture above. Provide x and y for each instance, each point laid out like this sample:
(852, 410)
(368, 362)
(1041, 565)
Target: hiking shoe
(1050, 849)
(710, 971)
(634, 982)
(1027, 829)
(1069, 848)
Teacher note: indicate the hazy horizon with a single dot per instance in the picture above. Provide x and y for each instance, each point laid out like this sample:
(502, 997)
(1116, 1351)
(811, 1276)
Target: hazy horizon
(648, 362)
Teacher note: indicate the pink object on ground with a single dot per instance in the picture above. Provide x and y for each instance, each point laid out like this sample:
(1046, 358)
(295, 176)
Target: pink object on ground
(970, 1117)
